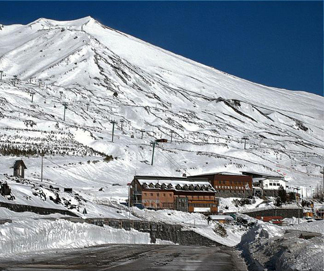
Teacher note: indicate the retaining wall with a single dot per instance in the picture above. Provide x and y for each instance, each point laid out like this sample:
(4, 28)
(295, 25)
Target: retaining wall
(34, 209)
(285, 213)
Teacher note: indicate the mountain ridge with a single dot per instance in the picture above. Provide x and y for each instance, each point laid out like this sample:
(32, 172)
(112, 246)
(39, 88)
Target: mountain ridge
(105, 75)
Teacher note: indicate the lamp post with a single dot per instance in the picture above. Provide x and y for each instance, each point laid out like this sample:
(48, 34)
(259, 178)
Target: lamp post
(42, 164)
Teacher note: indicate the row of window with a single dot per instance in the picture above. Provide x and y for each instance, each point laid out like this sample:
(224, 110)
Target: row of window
(233, 182)
(274, 184)
(229, 187)
(158, 194)
(201, 205)
(231, 191)
(170, 195)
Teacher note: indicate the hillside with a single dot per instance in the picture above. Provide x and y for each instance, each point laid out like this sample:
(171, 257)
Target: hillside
(104, 75)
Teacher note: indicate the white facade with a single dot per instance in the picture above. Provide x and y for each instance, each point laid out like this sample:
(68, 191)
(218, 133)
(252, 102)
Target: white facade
(273, 184)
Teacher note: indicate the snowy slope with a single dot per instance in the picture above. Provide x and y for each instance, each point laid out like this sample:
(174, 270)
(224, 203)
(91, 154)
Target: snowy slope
(83, 63)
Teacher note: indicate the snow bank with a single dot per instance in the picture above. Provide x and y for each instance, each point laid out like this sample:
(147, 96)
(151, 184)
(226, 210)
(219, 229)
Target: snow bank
(39, 235)
(270, 247)
(315, 226)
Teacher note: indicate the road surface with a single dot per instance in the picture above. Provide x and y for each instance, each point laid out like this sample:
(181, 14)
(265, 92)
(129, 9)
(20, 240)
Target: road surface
(132, 258)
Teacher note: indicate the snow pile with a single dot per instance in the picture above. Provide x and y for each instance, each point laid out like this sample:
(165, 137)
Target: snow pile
(39, 235)
(267, 246)
(315, 226)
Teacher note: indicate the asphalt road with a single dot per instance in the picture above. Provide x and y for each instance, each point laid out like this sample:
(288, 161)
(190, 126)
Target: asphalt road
(132, 257)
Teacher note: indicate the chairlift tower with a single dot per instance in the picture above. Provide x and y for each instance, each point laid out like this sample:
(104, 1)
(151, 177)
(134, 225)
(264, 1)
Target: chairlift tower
(245, 138)
(153, 143)
(113, 122)
(65, 104)
(121, 124)
(32, 96)
(142, 131)
(171, 135)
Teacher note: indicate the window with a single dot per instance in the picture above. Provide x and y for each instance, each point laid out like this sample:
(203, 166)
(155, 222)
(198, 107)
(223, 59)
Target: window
(151, 194)
(158, 194)
(163, 194)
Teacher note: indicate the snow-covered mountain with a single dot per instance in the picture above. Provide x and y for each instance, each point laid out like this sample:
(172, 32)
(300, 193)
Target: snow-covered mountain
(104, 75)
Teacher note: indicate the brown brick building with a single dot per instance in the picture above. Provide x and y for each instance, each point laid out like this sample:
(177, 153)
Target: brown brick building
(229, 184)
(177, 193)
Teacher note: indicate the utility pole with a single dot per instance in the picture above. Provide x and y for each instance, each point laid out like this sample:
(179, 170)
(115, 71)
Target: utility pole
(142, 131)
(323, 183)
(153, 143)
(121, 124)
(113, 130)
(32, 96)
(171, 135)
(1, 72)
(42, 155)
(245, 138)
(129, 199)
(65, 104)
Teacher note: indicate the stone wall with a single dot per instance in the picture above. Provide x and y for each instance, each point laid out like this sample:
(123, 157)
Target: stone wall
(163, 231)
(34, 209)
(285, 213)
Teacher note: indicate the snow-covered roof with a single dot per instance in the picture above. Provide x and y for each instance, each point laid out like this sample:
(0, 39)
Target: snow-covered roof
(17, 163)
(261, 174)
(219, 173)
(177, 185)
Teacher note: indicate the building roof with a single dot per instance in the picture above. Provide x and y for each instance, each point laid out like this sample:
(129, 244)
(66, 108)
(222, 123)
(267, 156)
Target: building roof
(158, 177)
(17, 163)
(219, 173)
(176, 185)
(255, 174)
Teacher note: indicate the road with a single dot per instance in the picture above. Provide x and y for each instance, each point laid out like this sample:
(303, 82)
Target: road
(131, 257)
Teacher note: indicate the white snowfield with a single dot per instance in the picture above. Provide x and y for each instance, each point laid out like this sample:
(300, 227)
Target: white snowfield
(84, 63)
(103, 75)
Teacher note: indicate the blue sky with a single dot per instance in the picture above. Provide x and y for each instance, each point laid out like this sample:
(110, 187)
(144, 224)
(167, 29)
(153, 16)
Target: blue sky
(277, 44)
